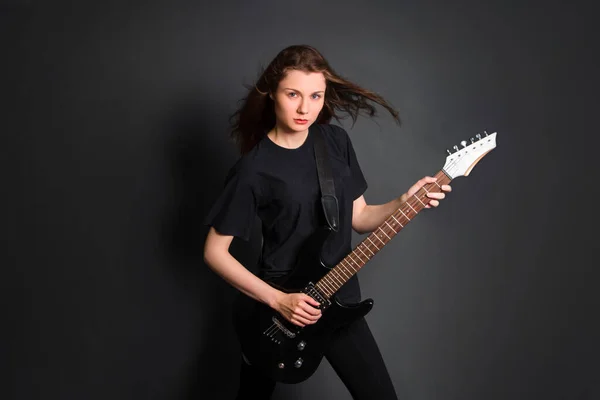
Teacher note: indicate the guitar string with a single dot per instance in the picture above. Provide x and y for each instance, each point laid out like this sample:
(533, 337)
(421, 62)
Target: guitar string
(415, 198)
(331, 285)
(393, 216)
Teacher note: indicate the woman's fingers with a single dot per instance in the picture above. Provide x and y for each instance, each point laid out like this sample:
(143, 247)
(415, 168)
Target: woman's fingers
(303, 310)
(301, 317)
(436, 195)
(433, 203)
(310, 310)
(310, 300)
(300, 321)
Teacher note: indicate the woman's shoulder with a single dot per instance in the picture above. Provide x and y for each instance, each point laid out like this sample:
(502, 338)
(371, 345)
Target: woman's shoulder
(337, 138)
(335, 132)
(244, 167)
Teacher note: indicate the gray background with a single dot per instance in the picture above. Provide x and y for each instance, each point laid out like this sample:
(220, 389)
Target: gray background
(114, 146)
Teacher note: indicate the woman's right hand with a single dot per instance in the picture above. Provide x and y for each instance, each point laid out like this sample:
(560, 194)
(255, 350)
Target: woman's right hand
(298, 308)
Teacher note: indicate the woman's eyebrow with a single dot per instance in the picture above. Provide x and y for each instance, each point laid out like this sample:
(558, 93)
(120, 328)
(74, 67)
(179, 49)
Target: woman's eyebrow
(296, 90)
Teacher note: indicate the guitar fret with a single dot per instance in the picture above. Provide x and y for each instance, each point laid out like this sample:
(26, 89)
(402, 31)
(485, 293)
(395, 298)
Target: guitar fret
(341, 264)
(398, 222)
(373, 243)
(411, 207)
(353, 262)
(333, 275)
(367, 247)
(404, 215)
(358, 248)
(350, 266)
(332, 280)
(323, 289)
(360, 262)
(318, 286)
(355, 254)
(379, 238)
(389, 238)
(343, 273)
(326, 289)
(329, 287)
(417, 197)
(390, 227)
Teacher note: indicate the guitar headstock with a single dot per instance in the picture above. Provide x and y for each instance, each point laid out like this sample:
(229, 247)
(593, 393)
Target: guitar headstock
(462, 161)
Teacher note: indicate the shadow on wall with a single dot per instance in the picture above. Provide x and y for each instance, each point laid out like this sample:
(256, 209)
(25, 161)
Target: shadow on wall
(198, 166)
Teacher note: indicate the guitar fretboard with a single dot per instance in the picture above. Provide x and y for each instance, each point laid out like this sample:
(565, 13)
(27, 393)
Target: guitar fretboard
(376, 240)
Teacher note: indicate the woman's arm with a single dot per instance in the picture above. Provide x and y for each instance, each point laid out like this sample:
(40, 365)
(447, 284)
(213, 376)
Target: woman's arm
(366, 218)
(298, 308)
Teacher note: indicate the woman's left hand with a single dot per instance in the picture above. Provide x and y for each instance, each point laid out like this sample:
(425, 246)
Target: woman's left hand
(434, 196)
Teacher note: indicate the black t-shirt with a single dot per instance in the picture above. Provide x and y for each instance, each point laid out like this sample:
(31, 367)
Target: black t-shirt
(281, 186)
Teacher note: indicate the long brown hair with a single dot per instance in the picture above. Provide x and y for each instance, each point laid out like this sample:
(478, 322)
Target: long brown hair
(256, 116)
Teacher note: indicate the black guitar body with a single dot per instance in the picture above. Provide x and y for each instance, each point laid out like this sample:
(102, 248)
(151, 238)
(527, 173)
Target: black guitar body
(284, 351)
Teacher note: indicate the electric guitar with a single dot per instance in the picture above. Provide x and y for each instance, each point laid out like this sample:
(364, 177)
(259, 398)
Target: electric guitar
(288, 353)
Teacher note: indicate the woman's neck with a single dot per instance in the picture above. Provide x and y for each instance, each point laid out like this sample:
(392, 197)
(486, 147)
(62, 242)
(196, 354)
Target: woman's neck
(289, 140)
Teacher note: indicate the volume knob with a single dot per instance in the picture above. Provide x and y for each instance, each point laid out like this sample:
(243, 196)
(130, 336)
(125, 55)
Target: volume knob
(298, 363)
(301, 345)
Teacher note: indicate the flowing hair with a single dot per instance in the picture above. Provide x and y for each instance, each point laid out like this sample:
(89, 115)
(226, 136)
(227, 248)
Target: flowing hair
(256, 116)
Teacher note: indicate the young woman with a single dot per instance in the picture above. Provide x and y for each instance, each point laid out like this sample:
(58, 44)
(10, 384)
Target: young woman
(276, 179)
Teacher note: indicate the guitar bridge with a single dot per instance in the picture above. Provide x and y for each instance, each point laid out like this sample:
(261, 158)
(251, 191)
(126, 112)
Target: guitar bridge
(278, 331)
(283, 329)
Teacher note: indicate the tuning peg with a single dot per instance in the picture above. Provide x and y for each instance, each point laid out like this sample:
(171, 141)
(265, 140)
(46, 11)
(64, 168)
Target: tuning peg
(472, 140)
(485, 133)
(448, 151)
(463, 143)
(478, 136)
(455, 147)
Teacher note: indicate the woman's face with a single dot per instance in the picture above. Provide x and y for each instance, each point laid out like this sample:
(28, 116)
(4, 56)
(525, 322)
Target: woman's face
(299, 100)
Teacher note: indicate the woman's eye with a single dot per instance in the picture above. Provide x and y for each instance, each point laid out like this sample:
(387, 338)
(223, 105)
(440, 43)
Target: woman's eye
(292, 94)
(316, 96)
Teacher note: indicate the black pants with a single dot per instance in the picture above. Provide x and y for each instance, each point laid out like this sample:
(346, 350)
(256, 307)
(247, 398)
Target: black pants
(355, 357)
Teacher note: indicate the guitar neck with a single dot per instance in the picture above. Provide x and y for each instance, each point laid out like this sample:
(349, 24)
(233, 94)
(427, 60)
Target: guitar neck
(376, 240)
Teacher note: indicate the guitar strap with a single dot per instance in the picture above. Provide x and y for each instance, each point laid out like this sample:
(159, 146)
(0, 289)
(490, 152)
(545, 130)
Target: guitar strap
(328, 199)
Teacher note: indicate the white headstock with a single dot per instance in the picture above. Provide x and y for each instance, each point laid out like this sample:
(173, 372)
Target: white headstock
(461, 162)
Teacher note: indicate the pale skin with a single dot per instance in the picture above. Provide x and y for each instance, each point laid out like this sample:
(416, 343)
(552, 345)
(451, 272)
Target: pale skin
(300, 95)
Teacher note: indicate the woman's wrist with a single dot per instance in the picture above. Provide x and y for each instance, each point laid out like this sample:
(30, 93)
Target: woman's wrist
(273, 297)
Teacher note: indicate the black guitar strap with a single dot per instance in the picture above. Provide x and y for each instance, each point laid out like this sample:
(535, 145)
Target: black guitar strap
(328, 199)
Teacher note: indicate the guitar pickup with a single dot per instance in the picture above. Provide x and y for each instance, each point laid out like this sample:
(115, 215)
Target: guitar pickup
(313, 292)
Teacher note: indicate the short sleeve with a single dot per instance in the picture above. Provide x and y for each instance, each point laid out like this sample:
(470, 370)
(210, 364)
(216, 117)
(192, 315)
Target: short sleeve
(358, 183)
(234, 211)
